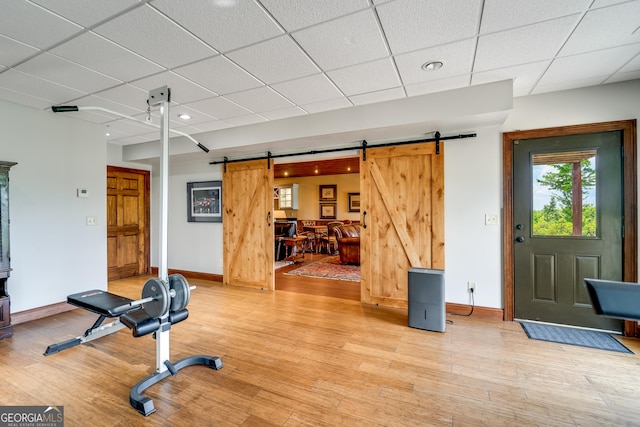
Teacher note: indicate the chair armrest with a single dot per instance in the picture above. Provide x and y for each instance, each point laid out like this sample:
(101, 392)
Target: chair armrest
(349, 240)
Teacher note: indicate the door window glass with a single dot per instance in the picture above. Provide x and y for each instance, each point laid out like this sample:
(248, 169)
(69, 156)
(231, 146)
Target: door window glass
(564, 194)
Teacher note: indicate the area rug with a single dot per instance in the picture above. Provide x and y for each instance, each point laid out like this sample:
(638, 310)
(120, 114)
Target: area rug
(573, 336)
(328, 268)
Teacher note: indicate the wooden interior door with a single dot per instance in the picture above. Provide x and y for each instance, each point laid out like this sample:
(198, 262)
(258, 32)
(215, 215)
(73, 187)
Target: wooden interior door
(128, 222)
(247, 222)
(402, 225)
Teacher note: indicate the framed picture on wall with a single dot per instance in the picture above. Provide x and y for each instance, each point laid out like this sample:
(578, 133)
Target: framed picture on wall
(328, 193)
(327, 211)
(354, 202)
(204, 201)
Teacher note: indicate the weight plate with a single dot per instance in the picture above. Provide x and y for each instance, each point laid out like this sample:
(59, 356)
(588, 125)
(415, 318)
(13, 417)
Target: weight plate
(158, 290)
(179, 284)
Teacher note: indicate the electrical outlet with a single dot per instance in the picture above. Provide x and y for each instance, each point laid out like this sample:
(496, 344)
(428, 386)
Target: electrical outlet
(471, 287)
(221, 264)
(490, 219)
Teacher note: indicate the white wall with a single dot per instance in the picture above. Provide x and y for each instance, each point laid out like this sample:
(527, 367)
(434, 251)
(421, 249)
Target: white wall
(53, 252)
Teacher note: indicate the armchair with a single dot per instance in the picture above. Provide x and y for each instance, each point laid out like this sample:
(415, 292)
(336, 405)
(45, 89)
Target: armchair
(348, 239)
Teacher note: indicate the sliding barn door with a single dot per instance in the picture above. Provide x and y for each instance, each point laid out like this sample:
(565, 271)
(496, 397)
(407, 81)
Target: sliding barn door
(248, 225)
(402, 208)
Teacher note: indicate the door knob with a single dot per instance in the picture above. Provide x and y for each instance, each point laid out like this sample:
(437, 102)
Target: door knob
(519, 226)
(519, 239)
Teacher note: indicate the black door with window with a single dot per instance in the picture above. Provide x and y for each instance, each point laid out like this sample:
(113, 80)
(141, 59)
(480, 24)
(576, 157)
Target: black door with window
(567, 214)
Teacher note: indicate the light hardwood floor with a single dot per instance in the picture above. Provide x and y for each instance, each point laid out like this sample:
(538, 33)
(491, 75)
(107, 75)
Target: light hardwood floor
(293, 359)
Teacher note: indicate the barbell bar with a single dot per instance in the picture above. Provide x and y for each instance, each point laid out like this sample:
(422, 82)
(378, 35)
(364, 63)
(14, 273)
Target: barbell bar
(157, 299)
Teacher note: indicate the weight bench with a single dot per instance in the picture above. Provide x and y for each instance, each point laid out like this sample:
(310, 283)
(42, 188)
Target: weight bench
(129, 313)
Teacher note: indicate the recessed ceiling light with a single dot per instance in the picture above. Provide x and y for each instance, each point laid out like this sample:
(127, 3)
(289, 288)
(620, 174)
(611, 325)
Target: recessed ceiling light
(184, 116)
(108, 134)
(432, 65)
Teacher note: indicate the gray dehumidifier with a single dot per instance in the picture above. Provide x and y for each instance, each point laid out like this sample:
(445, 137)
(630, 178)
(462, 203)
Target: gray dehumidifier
(426, 299)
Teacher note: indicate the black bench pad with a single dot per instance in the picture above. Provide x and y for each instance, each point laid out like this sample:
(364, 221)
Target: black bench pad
(102, 303)
(142, 324)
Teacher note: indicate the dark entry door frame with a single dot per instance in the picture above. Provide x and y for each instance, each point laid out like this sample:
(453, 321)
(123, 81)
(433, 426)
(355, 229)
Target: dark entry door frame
(630, 239)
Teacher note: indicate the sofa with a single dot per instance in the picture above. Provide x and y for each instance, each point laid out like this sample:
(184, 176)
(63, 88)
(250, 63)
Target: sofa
(348, 238)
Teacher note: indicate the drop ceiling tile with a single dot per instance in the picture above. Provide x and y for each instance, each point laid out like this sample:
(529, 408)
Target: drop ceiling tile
(571, 84)
(415, 24)
(100, 54)
(522, 45)
(24, 21)
(245, 120)
(37, 87)
(304, 13)
(12, 51)
(604, 28)
(212, 125)
(601, 64)
(379, 96)
(164, 42)
(182, 90)
(275, 60)
(457, 58)
(327, 105)
(53, 68)
(621, 77)
(24, 99)
(283, 113)
(260, 99)
(128, 95)
(500, 15)
(632, 65)
(368, 77)
(438, 85)
(345, 41)
(86, 13)
(524, 76)
(130, 127)
(96, 101)
(224, 28)
(218, 107)
(308, 90)
(219, 75)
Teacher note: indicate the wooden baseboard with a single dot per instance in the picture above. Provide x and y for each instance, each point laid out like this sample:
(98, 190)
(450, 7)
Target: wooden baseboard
(478, 312)
(40, 312)
(192, 274)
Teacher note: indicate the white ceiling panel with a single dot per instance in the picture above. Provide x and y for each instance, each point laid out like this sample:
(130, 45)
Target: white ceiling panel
(219, 75)
(99, 54)
(129, 95)
(308, 90)
(87, 12)
(457, 59)
(283, 113)
(344, 41)
(64, 72)
(379, 96)
(24, 21)
(304, 13)
(524, 77)
(416, 24)
(327, 105)
(504, 14)
(164, 42)
(596, 32)
(219, 108)
(230, 63)
(224, 28)
(601, 63)
(260, 99)
(35, 86)
(522, 45)
(12, 51)
(275, 60)
(369, 77)
(182, 90)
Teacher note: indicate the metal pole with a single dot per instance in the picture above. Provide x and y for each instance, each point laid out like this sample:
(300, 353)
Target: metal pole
(161, 96)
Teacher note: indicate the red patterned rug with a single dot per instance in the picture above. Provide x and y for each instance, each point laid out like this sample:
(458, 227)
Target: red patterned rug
(329, 268)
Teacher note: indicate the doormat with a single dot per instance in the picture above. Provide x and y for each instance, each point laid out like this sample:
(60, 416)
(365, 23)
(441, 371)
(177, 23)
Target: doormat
(329, 268)
(573, 336)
